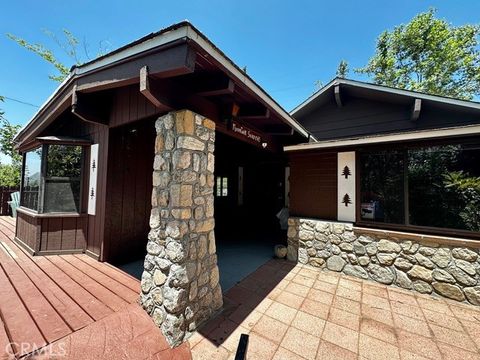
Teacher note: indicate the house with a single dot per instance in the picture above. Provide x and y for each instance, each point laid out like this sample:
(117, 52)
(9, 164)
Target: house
(164, 156)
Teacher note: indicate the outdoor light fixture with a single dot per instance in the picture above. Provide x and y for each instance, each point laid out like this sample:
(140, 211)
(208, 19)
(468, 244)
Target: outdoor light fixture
(264, 145)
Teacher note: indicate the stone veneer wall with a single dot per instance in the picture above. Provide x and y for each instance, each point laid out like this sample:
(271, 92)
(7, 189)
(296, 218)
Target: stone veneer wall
(450, 271)
(180, 282)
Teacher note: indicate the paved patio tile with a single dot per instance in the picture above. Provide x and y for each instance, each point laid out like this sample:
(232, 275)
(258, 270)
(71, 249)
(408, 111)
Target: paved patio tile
(341, 336)
(411, 325)
(329, 351)
(344, 318)
(434, 304)
(348, 293)
(374, 289)
(315, 308)
(378, 314)
(408, 310)
(374, 349)
(320, 296)
(443, 320)
(297, 289)
(284, 354)
(309, 323)
(452, 337)
(453, 353)
(378, 330)
(418, 345)
(325, 286)
(326, 315)
(301, 343)
(270, 328)
(281, 312)
(346, 304)
(289, 299)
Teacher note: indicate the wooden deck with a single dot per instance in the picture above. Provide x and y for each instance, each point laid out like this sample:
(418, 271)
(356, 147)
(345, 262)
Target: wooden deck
(50, 299)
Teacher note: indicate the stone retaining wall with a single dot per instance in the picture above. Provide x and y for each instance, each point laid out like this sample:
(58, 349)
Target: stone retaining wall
(180, 282)
(452, 272)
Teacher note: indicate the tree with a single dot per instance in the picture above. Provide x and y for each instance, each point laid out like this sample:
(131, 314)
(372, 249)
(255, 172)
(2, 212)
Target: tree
(428, 55)
(342, 70)
(9, 173)
(70, 45)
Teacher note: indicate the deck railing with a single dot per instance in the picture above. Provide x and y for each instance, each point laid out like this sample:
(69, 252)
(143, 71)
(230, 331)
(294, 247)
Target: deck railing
(5, 192)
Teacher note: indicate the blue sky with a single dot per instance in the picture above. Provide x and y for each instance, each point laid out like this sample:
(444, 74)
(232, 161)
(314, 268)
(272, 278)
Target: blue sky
(286, 45)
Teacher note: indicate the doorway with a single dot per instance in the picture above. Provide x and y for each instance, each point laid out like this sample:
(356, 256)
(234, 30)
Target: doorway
(249, 191)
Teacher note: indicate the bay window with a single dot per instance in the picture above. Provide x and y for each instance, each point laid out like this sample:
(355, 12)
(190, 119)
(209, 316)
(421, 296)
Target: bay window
(52, 178)
(436, 187)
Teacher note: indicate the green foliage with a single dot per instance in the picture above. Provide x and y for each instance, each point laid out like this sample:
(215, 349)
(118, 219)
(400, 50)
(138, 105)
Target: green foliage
(69, 44)
(428, 55)
(7, 133)
(10, 175)
(342, 70)
(468, 189)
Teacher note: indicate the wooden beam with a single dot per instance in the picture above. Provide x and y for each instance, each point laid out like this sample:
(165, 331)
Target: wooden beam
(162, 63)
(262, 116)
(85, 110)
(417, 107)
(150, 91)
(338, 98)
(225, 89)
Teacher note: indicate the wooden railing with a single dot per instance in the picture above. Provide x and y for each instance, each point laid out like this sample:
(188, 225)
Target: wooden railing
(5, 192)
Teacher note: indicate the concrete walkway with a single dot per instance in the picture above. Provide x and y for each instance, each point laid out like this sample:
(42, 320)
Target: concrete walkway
(297, 312)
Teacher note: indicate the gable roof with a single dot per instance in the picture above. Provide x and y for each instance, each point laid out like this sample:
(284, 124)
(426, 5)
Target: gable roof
(381, 89)
(180, 31)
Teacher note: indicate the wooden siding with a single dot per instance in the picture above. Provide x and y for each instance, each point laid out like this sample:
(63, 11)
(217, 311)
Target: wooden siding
(61, 234)
(130, 105)
(360, 117)
(27, 230)
(129, 186)
(313, 185)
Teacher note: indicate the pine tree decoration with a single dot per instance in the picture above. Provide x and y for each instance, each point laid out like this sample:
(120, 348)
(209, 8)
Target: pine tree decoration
(346, 200)
(346, 172)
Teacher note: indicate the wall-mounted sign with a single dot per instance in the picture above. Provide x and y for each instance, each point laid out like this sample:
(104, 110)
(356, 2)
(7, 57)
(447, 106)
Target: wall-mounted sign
(92, 183)
(346, 186)
(247, 133)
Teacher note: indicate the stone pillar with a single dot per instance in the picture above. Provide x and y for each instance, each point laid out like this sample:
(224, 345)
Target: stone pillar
(180, 282)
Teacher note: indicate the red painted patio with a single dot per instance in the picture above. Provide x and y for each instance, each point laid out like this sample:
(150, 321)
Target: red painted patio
(72, 307)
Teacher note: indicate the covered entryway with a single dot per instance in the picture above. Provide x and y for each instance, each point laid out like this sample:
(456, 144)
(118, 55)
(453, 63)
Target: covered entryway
(249, 192)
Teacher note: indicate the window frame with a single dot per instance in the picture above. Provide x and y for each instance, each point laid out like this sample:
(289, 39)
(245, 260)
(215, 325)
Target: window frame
(406, 227)
(43, 172)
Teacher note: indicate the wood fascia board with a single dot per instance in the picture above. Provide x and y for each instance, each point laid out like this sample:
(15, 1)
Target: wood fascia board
(163, 63)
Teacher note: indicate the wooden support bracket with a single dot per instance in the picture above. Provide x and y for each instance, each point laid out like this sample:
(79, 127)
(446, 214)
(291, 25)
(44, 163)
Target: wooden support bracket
(417, 107)
(338, 98)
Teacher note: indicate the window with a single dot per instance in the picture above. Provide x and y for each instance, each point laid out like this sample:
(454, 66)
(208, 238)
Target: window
(31, 179)
(52, 179)
(62, 178)
(221, 186)
(435, 186)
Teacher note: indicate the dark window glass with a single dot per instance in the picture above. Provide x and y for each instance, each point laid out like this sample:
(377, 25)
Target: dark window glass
(441, 184)
(31, 179)
(382, 191)
(62, 178)
(444, 187)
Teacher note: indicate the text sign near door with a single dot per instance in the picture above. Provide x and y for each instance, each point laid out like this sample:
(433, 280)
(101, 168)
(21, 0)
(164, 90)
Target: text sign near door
(245, 133)
(92, 184)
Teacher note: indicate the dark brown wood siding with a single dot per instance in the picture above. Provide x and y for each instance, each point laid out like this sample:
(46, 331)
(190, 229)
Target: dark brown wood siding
(63, 234)
(313, 185)
(129, 194)
(27, 230)
(362, 117)
(130, 105)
